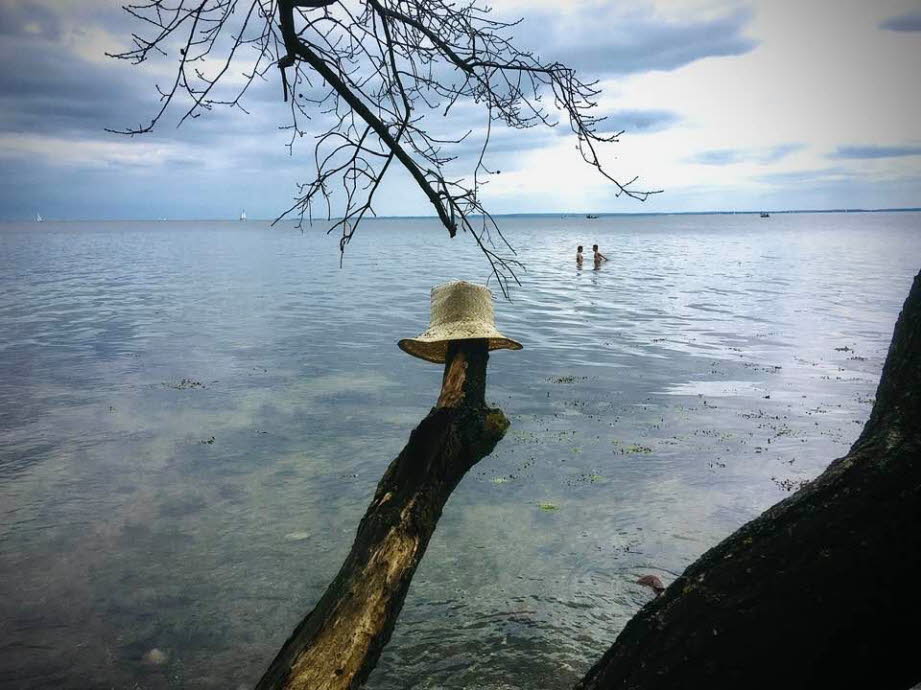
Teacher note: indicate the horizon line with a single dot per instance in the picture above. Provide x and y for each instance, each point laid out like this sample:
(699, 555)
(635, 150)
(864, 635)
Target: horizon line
(563, 214)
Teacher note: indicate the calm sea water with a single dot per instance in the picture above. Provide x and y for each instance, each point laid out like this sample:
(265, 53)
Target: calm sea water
(193, 417)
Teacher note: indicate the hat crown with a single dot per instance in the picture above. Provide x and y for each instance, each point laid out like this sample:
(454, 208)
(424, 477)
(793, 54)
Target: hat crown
(459, 311)
(460, 302)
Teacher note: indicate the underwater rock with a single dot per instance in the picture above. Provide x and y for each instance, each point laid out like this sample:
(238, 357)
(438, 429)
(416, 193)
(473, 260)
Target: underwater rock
(651, 581)
(155, 657)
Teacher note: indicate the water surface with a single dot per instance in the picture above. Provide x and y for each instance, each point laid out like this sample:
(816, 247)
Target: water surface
(193, 417)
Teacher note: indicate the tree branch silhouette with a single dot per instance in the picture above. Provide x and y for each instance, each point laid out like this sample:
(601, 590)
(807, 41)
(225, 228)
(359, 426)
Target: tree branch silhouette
(372, 81)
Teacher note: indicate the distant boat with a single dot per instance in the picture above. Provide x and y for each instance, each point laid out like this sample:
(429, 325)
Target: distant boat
(243, 215)
(591, 216)
(765, 214)
(38, 218)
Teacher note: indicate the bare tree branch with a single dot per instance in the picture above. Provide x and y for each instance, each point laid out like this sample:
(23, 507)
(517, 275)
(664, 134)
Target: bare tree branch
(370, 81)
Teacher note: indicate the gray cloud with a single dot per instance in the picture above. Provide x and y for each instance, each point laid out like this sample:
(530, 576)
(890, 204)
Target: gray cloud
(47, 90)
(643, 121)
(28, 19)
(506, 143)
(732, 156)
(717, 157)
(41, 93)
(805, 177)
(869, 152)
(224, 160)
(776, 153)
(910, 21)
(507, 140)
(606, 42)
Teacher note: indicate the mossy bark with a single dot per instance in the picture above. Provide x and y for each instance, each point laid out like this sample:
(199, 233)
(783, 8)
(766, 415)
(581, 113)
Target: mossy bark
(817, 592)
(338, 643)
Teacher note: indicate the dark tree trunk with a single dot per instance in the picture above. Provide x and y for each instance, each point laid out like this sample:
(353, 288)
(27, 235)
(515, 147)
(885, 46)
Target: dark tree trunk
(817, 592)
(338, 643)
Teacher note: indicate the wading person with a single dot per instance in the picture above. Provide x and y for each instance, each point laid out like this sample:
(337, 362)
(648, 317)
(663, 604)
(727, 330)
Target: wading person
(579, 256)
(599, 257)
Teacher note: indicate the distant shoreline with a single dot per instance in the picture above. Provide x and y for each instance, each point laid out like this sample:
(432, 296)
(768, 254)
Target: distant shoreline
(553, 214)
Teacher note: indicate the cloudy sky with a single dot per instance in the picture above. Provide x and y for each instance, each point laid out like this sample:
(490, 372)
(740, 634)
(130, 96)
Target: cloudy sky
(774, 104)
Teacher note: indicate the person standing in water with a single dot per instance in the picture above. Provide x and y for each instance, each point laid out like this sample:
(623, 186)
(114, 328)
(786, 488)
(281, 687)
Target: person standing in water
(599, 257)
(579, 256)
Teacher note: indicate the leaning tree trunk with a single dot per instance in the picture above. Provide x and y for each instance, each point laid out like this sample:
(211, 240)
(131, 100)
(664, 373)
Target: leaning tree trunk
(338, 643)
(817, 592)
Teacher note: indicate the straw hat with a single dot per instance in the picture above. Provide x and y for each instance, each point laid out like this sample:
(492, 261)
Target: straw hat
(460, 311)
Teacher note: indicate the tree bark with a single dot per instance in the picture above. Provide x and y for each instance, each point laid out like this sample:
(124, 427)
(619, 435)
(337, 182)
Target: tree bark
(338, 643)
(818, 591)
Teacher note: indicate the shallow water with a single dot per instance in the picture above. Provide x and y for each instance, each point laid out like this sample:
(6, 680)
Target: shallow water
(193, 417)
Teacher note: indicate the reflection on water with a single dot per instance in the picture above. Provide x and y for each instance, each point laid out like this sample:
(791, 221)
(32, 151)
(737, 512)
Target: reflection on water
(193, 417)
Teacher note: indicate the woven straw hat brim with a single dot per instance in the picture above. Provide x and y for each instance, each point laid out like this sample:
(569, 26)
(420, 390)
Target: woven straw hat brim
(437, 351)
(433, 344)
(459, 311)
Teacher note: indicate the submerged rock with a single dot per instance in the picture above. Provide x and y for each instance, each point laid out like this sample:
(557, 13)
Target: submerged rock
(155, 657)
(297, 536)
(651, 581)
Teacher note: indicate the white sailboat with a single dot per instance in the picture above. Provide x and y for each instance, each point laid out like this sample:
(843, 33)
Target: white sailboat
(38, 218)
(243, 215)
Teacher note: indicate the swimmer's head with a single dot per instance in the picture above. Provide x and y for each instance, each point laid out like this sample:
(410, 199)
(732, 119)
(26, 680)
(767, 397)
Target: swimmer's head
(579, 248)
(594, 247)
